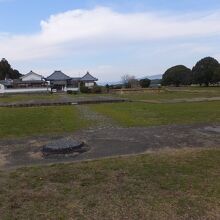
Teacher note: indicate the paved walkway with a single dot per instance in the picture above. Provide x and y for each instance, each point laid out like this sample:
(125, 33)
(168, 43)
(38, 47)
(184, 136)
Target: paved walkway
(108, 142)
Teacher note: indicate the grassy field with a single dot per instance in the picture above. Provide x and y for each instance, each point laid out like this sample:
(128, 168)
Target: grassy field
(27, 97)
(167, 184)
(177, 184)
(173, 93)
(38, 97)
(17, 122)
(142, 114)
(163, 94)
(40, 120)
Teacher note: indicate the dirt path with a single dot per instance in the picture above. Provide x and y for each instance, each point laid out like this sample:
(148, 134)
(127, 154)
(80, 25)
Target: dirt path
(99, 121)
(109, 142)
(181, 100)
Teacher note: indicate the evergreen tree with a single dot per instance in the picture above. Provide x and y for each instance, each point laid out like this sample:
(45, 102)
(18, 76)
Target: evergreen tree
(203, 71)
(6, 71)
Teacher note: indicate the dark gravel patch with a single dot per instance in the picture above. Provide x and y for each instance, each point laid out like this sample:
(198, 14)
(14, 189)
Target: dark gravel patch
(108, 142)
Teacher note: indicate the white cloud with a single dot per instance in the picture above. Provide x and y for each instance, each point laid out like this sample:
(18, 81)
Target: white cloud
(102, 28)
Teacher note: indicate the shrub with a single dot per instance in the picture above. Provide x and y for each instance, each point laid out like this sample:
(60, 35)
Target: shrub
(71, 92)
(117, 87)
(97, 89)
(85, 89)
(145, 83)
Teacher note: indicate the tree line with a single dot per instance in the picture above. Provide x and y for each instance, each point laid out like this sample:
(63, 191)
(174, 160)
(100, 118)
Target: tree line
(129, 81)
(205, 72)
(7, 72)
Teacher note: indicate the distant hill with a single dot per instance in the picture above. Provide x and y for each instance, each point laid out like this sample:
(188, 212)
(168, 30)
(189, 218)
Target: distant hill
(109, 83)
(159, 76)
(154, 77)
(155, 81)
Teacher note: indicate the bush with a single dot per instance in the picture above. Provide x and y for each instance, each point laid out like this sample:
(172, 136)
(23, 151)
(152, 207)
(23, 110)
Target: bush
(71, 92)
(117, 87)
(145, 83)
(85, 89)
(97, 89)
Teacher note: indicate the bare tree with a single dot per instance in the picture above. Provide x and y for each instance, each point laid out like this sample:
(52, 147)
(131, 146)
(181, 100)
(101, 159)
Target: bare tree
(125, 79)
(129, 81)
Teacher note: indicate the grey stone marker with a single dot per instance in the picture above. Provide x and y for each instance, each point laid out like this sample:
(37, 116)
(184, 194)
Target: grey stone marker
(63, 146)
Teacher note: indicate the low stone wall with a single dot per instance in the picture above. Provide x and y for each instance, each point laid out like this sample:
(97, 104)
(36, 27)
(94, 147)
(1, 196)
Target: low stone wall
(57, 103)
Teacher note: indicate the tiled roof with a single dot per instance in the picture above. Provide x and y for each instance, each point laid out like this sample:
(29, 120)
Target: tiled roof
(88, 77)
(76, 78)
(30, 73)
(57, 76)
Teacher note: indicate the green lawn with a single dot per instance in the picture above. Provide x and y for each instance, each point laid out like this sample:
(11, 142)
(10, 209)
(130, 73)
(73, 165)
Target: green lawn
(181, 184)
(39, 120)
(167, 93)
(27, 97)
(16, 122)
(143, 114)
(57, 96)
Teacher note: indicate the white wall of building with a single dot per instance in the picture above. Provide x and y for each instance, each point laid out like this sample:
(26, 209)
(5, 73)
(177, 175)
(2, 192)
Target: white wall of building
(70, 89)
(2, 88)
(89, 84)
(22, 90)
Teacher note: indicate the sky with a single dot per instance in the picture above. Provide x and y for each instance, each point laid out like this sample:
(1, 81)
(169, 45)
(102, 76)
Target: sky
(108, 38)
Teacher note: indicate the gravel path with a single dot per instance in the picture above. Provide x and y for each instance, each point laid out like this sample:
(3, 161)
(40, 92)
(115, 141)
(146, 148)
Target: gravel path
(99, 121)
(108, 142)
(183, 100)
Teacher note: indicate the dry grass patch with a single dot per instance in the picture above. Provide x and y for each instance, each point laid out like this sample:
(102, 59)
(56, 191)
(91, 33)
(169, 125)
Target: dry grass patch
(184, 184)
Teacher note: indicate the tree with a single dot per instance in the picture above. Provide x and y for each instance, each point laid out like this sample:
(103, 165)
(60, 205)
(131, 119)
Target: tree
(177, 75)
(216, 76)
(145, 83)
(125, 80)
(7, 72)
(203, 71)
(129, 81)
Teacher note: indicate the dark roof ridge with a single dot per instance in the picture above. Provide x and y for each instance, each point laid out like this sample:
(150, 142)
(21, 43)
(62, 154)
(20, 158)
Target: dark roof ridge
(31, 72)
(58, 75)
(88, 77)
